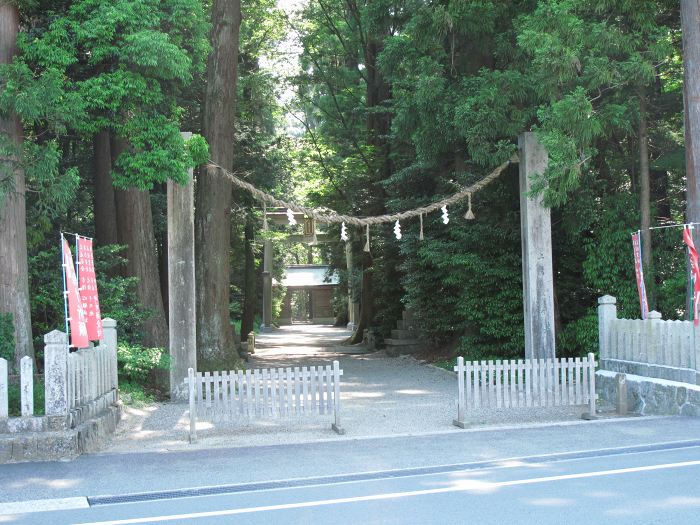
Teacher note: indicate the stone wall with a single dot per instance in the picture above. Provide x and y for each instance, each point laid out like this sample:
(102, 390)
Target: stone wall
(650, 396)
(81, 401)
(50, 445)
(650, 348)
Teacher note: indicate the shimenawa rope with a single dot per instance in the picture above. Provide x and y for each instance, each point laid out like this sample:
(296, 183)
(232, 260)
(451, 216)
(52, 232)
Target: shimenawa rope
(330, 216)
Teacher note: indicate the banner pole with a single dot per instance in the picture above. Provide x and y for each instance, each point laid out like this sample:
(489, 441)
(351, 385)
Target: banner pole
(77, 262)
(65, 290)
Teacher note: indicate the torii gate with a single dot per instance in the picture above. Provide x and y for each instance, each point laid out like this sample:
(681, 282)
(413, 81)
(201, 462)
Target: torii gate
(281, 218)
(538, 282)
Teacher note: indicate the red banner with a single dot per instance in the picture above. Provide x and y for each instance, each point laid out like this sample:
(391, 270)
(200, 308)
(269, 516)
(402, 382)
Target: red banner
(88, 289)
(76, 314)
(639, 272)
(694, 270)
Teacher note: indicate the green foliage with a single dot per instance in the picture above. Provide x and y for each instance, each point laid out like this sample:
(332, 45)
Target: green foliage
(116, 293)
(138, 369)
(466, 279)
(466, 78)
(14, 398)
(7, 338)
(136, 363)
(134, 394)
(198, 150)
(119, 65)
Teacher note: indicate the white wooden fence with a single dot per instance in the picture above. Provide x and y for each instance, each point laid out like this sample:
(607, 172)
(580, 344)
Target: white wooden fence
(524, 383)
(652, 347)
(260, 393)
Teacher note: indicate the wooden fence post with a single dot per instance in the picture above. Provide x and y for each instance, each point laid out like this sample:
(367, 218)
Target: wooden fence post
(336, 398)
(460, 421)
(590, 365)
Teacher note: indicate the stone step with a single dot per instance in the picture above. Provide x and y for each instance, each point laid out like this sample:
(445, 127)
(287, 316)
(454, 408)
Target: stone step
(393, 349)
(404, 325)
(407, 315)
(401, 342)
(404, 334)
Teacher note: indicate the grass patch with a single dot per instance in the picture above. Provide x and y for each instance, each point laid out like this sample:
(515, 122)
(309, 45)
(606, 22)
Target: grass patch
(14, 399)
(135, 394)
(447, 364)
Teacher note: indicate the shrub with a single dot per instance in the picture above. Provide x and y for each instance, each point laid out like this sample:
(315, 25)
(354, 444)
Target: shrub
(135, 363)
(7, 338)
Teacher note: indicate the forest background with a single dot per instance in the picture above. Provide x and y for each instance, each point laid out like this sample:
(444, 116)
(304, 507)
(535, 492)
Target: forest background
(362, 107)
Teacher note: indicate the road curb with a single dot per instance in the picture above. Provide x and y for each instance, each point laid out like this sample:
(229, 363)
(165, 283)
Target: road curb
(384, 474)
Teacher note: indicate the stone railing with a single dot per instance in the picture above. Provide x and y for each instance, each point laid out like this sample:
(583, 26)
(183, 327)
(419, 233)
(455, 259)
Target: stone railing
(651, 348)
(77, 385)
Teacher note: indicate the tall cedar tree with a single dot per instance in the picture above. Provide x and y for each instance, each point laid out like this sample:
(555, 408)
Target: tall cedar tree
(690, 21)
(215, 336)
(14, 283)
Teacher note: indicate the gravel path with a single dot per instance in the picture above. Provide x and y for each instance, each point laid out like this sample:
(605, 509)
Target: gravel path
(380, 396)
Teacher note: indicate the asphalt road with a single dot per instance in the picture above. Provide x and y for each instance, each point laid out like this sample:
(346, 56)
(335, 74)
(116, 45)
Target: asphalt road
(659, 486)
(110, 474)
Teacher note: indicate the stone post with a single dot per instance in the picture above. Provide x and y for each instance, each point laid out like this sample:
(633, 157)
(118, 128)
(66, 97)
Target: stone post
(352, 321)
(536, 235)
(607, 312)
(654, 339)
(109, 340)
(182, 322)
(26, 368)
(621, 386)
(56, 372)
(4, 379)
(267, 286)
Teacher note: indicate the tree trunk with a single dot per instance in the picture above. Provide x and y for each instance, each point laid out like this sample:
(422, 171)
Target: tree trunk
(250, 298)
(645, 197)
(105, 207)
(135, 230)
(367, 300)
(162, 251)
(690, 27)
(378, 125)
(14, 279)
(659, 195)
(215, 339)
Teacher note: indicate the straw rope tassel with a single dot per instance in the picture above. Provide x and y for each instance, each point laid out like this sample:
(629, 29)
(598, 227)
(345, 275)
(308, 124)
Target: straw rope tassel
(420, 235)
(367, 242)
(470, 214)
(265, 227)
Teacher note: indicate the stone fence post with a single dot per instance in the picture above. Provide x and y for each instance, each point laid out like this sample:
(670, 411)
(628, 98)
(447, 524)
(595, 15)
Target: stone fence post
(109, 340)
(4, 406)
(56, 373)
(607, 312)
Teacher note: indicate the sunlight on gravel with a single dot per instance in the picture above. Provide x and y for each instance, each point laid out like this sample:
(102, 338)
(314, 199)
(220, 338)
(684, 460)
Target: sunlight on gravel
(380, 395)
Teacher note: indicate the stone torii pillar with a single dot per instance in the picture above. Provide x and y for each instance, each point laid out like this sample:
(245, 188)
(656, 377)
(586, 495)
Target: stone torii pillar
(182, 322)
(267, 282)
(352, 318)
(536, 235)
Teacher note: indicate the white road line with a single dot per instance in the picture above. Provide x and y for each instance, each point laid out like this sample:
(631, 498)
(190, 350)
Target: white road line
(41, 505)
(458, 486)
